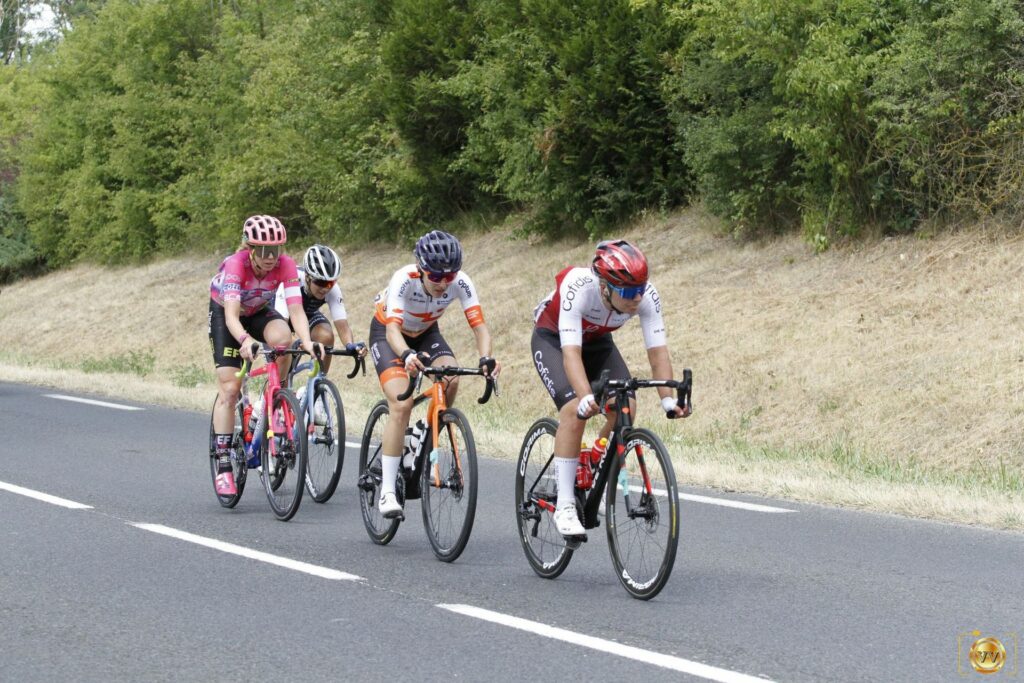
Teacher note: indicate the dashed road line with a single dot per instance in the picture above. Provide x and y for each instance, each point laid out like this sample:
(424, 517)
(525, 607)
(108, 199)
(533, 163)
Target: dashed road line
(45, 497)
(92, 402)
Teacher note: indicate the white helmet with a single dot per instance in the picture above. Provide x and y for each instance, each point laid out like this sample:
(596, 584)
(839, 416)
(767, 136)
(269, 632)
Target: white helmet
(322, 263)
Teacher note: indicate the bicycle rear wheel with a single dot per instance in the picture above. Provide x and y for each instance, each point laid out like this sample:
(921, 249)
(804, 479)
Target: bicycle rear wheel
(284, 469)
(380, 530)
(642, 506)
(326, 441)
(545, 548)
(237, 460)
(448, 486)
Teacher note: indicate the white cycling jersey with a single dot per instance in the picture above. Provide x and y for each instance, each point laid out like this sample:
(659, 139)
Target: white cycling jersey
(334, 300)
(577, 311)
(406, 302)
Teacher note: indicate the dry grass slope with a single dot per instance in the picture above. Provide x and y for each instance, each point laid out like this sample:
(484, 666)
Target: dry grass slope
(886, 376)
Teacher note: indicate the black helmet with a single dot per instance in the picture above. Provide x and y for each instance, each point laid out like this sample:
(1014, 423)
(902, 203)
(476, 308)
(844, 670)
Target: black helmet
(321, 263)
(438, 252)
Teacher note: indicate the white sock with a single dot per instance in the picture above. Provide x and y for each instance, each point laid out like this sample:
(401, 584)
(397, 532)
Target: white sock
(565, 472)
(389, 472)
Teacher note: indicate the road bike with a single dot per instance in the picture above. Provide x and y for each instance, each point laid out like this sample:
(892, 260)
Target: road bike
(634, 476)
(445, 478)
(271, 441)
(324, 416)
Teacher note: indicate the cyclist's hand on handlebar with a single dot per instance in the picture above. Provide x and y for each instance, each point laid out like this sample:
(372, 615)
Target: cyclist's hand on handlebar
(673, 409)
(359, 347)
(413, 364)
(314, 349)
(490, 366)
(248, 351)
(588, 407)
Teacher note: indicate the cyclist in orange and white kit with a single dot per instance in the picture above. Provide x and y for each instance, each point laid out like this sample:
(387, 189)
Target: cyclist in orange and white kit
(572, 344)
(241, 295)
(404, 333)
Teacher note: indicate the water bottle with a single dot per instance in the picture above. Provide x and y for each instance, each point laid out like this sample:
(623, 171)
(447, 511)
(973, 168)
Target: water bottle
(247, 423)
(597, 452)
(413, 437)
(584, 477)
(255, 416)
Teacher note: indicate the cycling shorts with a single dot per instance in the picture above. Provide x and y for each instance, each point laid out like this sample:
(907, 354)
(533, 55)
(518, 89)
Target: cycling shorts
(599, 354)
(387, 362)
(223, 343)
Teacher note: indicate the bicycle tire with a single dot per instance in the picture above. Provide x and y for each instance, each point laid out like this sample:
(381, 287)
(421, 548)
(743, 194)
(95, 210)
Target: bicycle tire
(284, 474)
(379, 529)
(545, 548)
(326, 442)
(237, 461)
(643, 535)
(448, 486)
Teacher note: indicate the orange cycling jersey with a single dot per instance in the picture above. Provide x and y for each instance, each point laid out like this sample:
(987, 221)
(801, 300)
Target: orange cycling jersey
(404, 301)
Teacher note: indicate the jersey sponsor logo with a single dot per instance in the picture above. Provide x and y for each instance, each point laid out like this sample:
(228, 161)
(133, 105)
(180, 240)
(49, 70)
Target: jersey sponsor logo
(375, 352)
(403, 288)
(575, 287)
(230, 352)
(465, 288)
(655, 299)
(545, 374)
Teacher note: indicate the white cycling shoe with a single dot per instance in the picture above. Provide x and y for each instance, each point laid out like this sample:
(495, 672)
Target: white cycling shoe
(568, 522)
(319, 413)
(389, 506)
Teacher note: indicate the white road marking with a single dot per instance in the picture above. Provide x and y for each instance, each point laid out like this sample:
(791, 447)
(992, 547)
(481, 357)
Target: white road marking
(45, 497)
(353, 444)
(646, 656)
(724, 502)
(315, 570)
(91, 402)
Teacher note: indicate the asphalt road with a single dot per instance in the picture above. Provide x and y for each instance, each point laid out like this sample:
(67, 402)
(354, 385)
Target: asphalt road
(772, 590)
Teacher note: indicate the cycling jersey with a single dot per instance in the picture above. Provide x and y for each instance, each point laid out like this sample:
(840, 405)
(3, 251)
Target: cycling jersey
(236, 281)
(406, 302)
(310, 304)
(576, 310)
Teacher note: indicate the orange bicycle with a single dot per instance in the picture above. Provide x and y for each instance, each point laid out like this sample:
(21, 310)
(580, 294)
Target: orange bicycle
(445, 480)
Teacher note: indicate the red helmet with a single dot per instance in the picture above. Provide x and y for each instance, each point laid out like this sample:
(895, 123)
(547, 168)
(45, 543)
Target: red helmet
(620, 263)
(263, 230)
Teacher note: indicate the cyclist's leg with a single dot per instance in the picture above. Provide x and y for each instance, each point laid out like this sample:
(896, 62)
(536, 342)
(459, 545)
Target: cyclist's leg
(548, 361)
(393, 380)
(433, 343)
(600, 355)
(271, 328)
(227, 362)
(320, 331)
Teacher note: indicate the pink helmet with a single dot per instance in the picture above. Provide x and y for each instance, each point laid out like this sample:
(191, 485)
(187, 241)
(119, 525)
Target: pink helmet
(263, 230)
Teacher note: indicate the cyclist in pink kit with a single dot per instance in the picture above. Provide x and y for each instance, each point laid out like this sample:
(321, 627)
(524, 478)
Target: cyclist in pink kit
(572, 344)
(241, 310)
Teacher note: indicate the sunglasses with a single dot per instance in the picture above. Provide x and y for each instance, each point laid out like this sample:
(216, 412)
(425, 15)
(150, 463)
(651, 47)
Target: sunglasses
(628, 292)
(440, 277)
(265, 250)
(326, 284)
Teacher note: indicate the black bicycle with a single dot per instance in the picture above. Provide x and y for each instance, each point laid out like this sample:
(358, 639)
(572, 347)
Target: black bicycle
(635, 478)
(320, 404)
(444, 476)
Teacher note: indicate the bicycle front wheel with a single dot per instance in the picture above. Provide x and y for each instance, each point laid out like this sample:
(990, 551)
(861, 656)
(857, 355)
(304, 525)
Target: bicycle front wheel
(536, 495)
(237, 460)
(642, 506)
(380, 530)
(326, 441)
(448, 486)
(283, 455)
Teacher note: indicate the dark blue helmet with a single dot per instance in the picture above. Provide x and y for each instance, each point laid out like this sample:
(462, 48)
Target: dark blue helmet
(438, 252)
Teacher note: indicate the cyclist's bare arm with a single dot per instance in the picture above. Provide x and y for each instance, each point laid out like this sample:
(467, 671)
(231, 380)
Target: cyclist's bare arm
(661, 368)
(483, 345)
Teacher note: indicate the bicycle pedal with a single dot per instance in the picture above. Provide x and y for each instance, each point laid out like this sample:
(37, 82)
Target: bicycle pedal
(574, 542)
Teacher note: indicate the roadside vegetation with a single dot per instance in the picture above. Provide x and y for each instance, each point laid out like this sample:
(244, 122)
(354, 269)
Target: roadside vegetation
(831, 193)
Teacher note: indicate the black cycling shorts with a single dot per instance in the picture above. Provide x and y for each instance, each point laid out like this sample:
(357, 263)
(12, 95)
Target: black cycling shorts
(223, 343)
(600, 354)
(387, 362)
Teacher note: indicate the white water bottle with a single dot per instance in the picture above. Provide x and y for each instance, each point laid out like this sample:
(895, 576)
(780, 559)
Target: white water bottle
(413, 437)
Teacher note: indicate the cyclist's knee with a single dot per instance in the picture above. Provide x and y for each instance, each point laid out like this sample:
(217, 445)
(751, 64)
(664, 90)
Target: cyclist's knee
(322, 334)
(400, 410)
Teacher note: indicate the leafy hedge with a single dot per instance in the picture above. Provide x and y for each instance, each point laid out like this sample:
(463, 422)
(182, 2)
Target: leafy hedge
(153, 125)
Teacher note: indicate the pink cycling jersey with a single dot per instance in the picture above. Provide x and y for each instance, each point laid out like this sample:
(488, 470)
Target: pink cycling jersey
(577, 312)
(236, 281)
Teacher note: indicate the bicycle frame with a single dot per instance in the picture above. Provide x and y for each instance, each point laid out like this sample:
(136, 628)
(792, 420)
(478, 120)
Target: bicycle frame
(252, 448)
(438, 403)
(316, 375)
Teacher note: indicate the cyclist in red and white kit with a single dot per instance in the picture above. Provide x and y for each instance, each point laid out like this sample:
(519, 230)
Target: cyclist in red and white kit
(241, 308)
(404, 333)
(572, 344)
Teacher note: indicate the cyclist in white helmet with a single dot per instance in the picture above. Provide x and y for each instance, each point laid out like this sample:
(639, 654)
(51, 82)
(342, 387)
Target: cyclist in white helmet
(319, 277)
